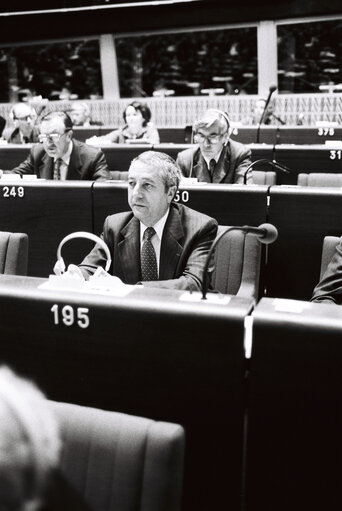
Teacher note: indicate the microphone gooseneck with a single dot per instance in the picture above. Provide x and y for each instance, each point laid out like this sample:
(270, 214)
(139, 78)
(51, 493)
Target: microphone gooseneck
(273, 163)
(266, 233)
(271, 90)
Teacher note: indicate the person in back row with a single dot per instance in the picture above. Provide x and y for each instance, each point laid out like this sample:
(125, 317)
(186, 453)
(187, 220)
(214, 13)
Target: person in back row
(216, 158)
(159, 243)
(59, 156)
(81, 116)
(138, 128)
(23, 131)
(329, 288)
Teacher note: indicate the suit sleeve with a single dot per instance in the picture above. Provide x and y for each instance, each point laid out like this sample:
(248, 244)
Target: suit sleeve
(27, 166)
(243, 160)
(182, 165)
(192, 274)
(329, 289)
(100, 167)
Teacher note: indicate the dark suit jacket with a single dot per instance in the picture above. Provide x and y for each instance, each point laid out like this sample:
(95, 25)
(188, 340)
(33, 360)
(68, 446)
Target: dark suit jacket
(329, 289)
(187, 238)
(13, 136)
(86, 162)
(230, 168)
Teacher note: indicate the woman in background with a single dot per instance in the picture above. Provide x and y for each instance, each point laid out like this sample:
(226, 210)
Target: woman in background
(138, 128)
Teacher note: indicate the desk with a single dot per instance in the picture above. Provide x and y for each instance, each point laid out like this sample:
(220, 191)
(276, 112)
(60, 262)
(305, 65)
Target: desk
(47, 211)
(148, 354)
(229, 204)
(307, 158)
(294, 448)
(13, 154)
(303, 216)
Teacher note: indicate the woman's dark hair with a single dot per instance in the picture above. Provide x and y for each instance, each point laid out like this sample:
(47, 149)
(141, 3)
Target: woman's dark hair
(144, 109)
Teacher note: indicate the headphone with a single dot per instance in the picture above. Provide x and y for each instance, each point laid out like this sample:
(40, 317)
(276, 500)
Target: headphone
(226, 118)
(89, 236)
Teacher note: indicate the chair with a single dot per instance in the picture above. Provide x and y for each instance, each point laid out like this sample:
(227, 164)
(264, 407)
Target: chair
(260, 177)
(328, 250)
(118, 175)
(319, 179)
(121, 462)
(237, 264)
(13, 253)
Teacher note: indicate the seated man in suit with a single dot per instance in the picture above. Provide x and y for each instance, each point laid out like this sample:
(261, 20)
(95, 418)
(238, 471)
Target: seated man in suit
(216, 158)
(80, 115)
(59, 156)
(159, 243)
(329, 289)
(23, 130)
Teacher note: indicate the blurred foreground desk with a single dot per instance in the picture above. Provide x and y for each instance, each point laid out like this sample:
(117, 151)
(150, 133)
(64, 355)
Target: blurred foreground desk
(150, 353)
(47, 211)
(229, 204)
(294, 441)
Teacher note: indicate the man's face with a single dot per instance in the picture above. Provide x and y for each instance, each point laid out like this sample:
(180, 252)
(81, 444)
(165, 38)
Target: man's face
(23, 118)
(78, 116)
(56, 139)
(147, 196)
(210, 140)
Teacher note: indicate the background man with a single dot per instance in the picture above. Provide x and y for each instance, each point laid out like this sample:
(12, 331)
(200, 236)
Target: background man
(80, 114)
(216, 158)
(159, 243)
(329, 288)
(59, 156)
(23, 130)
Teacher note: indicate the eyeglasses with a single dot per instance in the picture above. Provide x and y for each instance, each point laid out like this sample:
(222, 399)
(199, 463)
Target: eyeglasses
(212, 139)
(25, 118)
(51, 137)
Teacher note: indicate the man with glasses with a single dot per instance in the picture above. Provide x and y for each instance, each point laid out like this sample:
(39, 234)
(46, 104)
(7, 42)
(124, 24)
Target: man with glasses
(58, 156)
(23, 131)
(216, 158)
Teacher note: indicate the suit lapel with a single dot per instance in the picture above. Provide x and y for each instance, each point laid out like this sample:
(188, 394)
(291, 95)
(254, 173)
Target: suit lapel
(129, 251)
(222, 166)
(46, 167)
(171, 247)
(200, 168)
(75, 163)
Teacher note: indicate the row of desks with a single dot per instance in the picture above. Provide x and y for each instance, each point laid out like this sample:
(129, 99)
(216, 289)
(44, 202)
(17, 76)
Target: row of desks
(48, 211)
(261, 433)
(245, 134)
(304, 158)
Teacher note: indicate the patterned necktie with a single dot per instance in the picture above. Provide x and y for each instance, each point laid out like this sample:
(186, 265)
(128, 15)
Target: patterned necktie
(212, 165)
(57, 169)
(149, 269)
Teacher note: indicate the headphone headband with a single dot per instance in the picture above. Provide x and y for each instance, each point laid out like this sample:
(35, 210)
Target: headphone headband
(226, 118)
(89, 236)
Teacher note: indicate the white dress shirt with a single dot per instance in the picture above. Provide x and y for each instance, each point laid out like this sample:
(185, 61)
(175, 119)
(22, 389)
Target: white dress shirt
(156, 239)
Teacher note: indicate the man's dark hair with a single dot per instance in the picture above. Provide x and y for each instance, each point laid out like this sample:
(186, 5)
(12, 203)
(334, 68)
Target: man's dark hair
(62, 115)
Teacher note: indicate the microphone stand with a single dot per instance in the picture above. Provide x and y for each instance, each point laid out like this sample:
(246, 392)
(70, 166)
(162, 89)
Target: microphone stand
(273, 163)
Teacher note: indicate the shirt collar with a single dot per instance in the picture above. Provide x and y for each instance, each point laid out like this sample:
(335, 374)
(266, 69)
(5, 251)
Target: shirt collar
(158, 227)
(217, 157)
(66, 156)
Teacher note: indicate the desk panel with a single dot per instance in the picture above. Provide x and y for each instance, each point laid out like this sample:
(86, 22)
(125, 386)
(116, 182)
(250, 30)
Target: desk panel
(147, 354)
(229, 204)
(47, 211)
(307, 158)
(307, 134)
(294, 447)
(303, 216)
(119, 156)
(13, 154)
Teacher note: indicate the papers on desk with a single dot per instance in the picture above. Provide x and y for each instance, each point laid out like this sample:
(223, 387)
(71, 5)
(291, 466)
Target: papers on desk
(295, 306)
(110, 286)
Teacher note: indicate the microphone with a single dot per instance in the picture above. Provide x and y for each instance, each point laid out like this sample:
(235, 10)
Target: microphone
(262, 118)
(266, 233)
(273, 163)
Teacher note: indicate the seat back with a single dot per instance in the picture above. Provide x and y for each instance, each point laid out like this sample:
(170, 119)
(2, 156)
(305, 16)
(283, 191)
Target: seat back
(328, 250)
(13, 253)
(118, 175)
(118, 461)
(237, 264)
(319, 179)
(260, 177)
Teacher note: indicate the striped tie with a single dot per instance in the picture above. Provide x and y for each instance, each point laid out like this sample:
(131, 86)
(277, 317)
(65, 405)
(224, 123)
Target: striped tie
(149, 269)
(57, 169)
